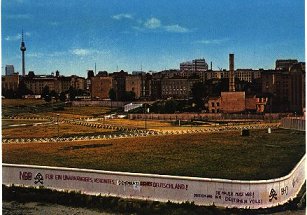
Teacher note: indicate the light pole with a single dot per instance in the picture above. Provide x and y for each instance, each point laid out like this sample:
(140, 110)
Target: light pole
(58, 125)
(146, 110)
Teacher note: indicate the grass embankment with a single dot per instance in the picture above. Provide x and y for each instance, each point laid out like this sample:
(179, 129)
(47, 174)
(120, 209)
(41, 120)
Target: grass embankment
(19, 102)
(51, 130)
(138, 123)
(216, 155)
(83, 111)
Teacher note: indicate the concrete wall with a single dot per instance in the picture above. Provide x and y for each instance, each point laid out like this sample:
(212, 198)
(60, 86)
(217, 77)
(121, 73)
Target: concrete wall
(201, 191)
(296, 123)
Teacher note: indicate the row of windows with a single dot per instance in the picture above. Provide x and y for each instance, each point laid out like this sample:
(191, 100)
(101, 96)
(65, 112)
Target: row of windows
(213, 104)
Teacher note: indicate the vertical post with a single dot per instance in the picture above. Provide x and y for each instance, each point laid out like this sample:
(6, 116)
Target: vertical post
(145, 116)
(58, 125)
(146, 111)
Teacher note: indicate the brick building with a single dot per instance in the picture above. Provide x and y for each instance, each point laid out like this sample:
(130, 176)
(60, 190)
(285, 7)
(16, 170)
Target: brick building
(285, 64)
(297, 85)
(10, 82)
(275, 85)
(78, 82)
(100, 87)
(119, 79)
(134, 84)
(178, 88)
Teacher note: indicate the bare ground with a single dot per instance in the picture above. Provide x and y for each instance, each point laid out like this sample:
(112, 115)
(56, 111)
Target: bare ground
(17, 208)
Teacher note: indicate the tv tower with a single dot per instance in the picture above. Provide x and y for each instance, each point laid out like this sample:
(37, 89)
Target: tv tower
(23, 49)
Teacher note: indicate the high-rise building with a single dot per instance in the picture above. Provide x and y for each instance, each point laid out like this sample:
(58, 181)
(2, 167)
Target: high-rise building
(23, 49)
(285, 64)
(9, 70)
(197, 65)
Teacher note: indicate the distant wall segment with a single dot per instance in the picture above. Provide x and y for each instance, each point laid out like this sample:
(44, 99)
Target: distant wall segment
(201, 191)
(205, 116)
(296, 123)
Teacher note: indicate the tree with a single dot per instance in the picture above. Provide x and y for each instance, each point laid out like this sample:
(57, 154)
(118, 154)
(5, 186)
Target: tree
(47, 98)
(72, 93)
(129, 96)
(23, 90)
(112, 94)
(62, 97)
(45, 92)
(171, 106)
(199, 92)
(54, 94)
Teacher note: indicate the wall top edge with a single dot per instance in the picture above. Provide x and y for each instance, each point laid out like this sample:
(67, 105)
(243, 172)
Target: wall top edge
(158, 176)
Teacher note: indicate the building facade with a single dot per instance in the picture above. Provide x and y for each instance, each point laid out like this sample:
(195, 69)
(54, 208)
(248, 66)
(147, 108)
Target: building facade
(134, 84)
(101, 86)
(178, 88)
(9, 70)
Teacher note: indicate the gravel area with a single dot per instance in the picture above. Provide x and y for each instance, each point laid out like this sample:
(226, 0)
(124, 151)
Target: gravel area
(36, 208)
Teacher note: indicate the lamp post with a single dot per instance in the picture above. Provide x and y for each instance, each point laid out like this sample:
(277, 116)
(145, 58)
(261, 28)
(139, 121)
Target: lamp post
(58, 125)
(146, 110)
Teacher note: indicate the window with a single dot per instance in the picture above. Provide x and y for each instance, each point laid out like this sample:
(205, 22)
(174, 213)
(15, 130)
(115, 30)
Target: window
(212, 104)
(217, 104)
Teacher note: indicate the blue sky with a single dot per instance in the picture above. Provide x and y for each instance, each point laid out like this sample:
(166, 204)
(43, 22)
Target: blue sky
(71, 35)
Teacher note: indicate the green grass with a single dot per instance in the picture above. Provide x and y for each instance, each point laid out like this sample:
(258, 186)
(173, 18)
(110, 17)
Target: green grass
(215, 155)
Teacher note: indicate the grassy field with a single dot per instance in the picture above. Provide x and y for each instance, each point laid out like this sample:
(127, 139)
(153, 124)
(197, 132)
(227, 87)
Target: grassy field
(89, 111)
(217, 155)
(138, 123)
(19, 102)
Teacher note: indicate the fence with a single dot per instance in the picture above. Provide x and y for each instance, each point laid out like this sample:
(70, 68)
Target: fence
(201, 191)
(296, 123)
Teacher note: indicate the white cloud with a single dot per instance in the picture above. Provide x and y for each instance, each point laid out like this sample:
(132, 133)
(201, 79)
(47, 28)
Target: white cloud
(209, 42)
(81, 52)
(152, 23)
(176, 29)
(13, 38)
(122, 16)
(16, 37)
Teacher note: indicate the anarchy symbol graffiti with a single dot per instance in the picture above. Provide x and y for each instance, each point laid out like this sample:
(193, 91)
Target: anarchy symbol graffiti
(39, 179)
(273, 195)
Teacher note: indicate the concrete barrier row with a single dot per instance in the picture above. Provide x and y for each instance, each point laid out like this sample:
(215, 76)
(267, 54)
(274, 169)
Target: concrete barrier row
(77, 138)
(26, 118)
(201, 191)
(108, 126)
(132, 133)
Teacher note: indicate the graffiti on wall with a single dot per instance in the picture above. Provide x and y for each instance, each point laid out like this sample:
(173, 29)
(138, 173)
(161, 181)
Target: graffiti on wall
(232, 196)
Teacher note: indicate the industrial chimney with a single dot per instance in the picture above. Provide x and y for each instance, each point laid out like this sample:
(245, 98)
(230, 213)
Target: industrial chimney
(231, 74)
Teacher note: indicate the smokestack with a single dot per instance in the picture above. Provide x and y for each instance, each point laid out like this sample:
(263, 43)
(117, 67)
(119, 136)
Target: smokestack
(211, 65)
(231, 74)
